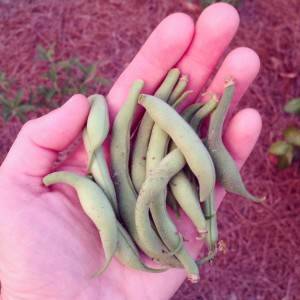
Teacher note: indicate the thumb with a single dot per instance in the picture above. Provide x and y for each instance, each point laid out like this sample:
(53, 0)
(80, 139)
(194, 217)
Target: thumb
(40, 140)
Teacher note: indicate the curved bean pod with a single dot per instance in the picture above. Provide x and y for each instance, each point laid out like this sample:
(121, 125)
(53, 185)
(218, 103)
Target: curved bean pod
(157, 149)
(203, 112)
(128, 254)
(158, 142)
(100, 171)
(187, 114)
(154, 186)
(180, 184)
(96, 206)
(178, 90)
(139, 153)
(186, 140)
(119, 157)
(181, 98)
(226, 170)
(188, 200)
(182, 187)
(172, 203)
(126, 194)
(165, 89)
(97, 123)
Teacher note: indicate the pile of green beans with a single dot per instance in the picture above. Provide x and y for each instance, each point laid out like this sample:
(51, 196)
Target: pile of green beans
(168, 163)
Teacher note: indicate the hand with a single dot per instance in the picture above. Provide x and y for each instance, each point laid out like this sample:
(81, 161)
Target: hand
(48, 245)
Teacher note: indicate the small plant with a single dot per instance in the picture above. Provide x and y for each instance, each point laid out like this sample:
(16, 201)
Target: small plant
(284, 152)
(66, 77)
(11, 101)
(62, 78)
(206, 3)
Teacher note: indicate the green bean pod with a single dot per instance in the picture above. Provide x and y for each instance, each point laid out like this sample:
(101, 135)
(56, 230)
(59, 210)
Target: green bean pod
(186, 140)
(188, 199)
(153, 187)
(203, 112)
(226, 170)
(181, 185)
(96, 206)
(172, 203)
(119, 155)
(178, 90)
(181, 98)
(100, 171)
(97, 123)
(158, 142)
(209, 209)
(128, 254)
(187, 114)
(126, 194)
(139, 152)
(157, 149)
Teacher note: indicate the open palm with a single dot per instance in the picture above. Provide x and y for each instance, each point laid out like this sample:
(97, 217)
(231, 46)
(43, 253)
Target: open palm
(48, 245)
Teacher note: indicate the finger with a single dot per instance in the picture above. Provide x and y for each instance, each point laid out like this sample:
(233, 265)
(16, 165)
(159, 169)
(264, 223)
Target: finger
(243, 65)
(214, 31)
(240, 138)
(40, 140)
(242, 134)
(162, 50)
(153, 61)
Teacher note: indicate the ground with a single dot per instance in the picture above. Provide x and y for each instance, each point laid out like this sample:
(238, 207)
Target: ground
(262, 259)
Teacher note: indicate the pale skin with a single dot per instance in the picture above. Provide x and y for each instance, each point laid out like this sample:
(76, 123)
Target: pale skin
(48, 245)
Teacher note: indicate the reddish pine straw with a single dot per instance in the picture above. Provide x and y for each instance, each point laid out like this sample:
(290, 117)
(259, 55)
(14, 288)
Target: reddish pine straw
(262, 261)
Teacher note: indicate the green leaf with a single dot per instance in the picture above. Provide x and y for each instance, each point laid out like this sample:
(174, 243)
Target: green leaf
(45, 75)
(51, 51)
(285, 161)
(292, 135)
(11, 82)
(5, 103)
(50, 94)
(293, 106)
(18, 97)
(91, 72)
(81, 67)
(280, 148)
(206, 3)
(83, 89)
(25, 108)
(67, 64)
(70, 91)
(102, 80)
(2, 77)
(54, 104)
(45, 94)
(52, 73)
(7, 116)
(43, 53)
(21, 116)
(63, 63)
(32, 96)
